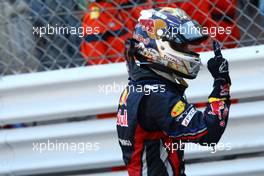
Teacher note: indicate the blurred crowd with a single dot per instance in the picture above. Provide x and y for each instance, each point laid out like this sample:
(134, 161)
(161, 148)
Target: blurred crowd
(21, 51)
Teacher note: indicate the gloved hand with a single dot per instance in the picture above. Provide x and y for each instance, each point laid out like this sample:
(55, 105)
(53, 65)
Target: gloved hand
(218, 66)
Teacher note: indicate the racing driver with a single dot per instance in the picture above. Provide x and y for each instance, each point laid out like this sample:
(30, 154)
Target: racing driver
(153, 114)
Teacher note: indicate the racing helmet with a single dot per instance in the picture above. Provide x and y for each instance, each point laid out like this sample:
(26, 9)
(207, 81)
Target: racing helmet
(163, 38)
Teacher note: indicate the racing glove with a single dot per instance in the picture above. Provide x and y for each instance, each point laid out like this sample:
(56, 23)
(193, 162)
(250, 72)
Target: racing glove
(218, 67)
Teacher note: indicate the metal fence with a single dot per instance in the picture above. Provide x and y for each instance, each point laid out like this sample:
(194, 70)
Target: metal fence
(43, 35)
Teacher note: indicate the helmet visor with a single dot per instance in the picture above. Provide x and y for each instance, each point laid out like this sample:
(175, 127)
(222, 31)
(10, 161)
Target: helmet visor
(192, 32)
(183, 48)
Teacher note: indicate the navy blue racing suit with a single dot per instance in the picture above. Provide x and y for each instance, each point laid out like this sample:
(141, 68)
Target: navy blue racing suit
(154, 120)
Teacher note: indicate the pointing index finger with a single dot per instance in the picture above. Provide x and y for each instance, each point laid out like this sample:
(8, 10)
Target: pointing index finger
(217, 49)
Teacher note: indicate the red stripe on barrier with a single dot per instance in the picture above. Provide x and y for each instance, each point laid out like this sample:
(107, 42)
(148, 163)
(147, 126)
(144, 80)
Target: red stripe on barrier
(234, 101)
(105, 116)
(118, 168)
